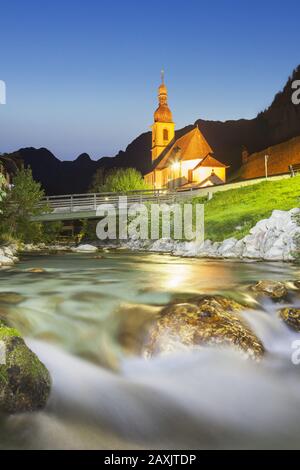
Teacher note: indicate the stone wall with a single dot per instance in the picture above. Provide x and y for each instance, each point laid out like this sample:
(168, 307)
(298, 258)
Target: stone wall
(280, 157)
(272, 239)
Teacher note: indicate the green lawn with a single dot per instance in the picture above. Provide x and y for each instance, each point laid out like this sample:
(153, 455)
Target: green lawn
(244, 207)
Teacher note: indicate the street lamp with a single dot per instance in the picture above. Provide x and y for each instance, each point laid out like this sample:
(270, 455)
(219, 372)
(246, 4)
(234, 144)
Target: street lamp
(266, 165)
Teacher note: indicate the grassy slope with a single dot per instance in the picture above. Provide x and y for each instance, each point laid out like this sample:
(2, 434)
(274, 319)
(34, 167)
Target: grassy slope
(246, 206)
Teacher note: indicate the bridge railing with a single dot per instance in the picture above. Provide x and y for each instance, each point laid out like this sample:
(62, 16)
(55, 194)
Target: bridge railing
(90, 201)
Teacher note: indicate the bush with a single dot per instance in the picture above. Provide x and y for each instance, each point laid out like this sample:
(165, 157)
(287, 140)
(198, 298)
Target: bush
(121, 180)
(51, 231)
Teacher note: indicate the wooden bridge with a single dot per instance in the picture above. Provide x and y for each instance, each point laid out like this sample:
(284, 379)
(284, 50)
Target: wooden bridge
(84, 206)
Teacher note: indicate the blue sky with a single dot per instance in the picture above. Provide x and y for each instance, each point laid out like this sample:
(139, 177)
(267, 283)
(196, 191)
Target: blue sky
(82, 76)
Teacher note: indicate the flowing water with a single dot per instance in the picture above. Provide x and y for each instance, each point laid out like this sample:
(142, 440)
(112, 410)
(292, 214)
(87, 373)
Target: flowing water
(87, 318)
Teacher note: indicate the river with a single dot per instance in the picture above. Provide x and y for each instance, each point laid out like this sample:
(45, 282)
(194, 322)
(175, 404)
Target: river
(87, 318)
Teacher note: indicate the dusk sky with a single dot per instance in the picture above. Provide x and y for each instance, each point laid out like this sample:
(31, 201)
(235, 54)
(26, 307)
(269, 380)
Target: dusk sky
(82, 76)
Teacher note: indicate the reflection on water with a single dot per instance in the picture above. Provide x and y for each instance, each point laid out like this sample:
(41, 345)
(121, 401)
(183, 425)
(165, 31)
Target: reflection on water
(87, 319)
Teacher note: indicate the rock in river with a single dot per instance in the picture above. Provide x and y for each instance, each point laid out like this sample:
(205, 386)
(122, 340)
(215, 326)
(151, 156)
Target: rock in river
(11, 298)
(85, 249)
(35, 270)
(24, 381)
(291, 316)
(274, 289)
(210, 320)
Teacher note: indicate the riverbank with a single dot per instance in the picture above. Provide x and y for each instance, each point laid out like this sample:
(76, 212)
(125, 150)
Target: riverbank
(232, 213)
(272, 239)
(8, 255)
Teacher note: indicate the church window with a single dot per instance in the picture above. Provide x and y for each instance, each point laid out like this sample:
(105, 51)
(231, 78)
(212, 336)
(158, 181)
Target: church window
(166, 134)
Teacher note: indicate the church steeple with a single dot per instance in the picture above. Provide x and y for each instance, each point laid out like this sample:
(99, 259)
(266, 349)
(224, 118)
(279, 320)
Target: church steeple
(163, 113)
(163, 129)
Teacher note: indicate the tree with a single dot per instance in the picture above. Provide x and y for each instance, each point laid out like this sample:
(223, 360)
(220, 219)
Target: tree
(51, 231)
(123, 180)
(21, 202)
(97, 181)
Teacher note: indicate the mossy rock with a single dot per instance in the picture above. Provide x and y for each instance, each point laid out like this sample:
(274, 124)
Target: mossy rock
(24, 381)
(291, 316)
(203, 320)
(274, 289)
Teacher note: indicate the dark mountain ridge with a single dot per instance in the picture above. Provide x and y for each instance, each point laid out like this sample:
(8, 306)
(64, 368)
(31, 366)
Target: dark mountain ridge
(278, 123)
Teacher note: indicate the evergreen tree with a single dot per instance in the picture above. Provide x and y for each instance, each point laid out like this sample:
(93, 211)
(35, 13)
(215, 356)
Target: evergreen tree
(20, 203)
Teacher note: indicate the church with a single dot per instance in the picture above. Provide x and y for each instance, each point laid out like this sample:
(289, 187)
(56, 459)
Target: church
(184, 163)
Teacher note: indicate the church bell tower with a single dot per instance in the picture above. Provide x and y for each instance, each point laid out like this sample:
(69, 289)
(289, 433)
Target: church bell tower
(163, 129)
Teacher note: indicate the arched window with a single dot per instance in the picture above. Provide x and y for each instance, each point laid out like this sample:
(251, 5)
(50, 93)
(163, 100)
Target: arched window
(166, 134)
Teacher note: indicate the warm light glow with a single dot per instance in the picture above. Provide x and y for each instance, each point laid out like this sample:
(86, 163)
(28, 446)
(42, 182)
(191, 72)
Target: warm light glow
(175, 166)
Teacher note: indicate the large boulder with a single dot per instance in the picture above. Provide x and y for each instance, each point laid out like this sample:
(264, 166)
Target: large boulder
(8, 251)
(24, 381)
(133, 322)
(274, 289)
(6, 261)
(229, 248)
(202, 320)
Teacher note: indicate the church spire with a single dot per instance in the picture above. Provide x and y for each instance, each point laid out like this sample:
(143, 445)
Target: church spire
(163, 113)
(163, 128)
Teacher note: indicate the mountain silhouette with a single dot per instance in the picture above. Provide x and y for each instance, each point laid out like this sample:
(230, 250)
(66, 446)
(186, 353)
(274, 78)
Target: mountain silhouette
(278, 123)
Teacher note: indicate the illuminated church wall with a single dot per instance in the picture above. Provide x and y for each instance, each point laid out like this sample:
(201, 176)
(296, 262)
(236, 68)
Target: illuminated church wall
(204, 172)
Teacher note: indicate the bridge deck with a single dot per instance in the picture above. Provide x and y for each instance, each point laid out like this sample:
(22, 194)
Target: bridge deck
(84, 206)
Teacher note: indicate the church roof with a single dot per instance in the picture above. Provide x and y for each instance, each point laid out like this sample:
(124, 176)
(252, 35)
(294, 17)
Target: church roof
(163, 114)
(211, 162)
(190, 146)
(212, 180)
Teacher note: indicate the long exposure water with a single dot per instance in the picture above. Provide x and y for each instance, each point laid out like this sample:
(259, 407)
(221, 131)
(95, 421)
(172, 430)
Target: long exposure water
(87, 318)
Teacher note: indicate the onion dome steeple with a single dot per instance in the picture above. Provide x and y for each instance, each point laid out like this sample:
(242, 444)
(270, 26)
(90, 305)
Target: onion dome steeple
(163, 113)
